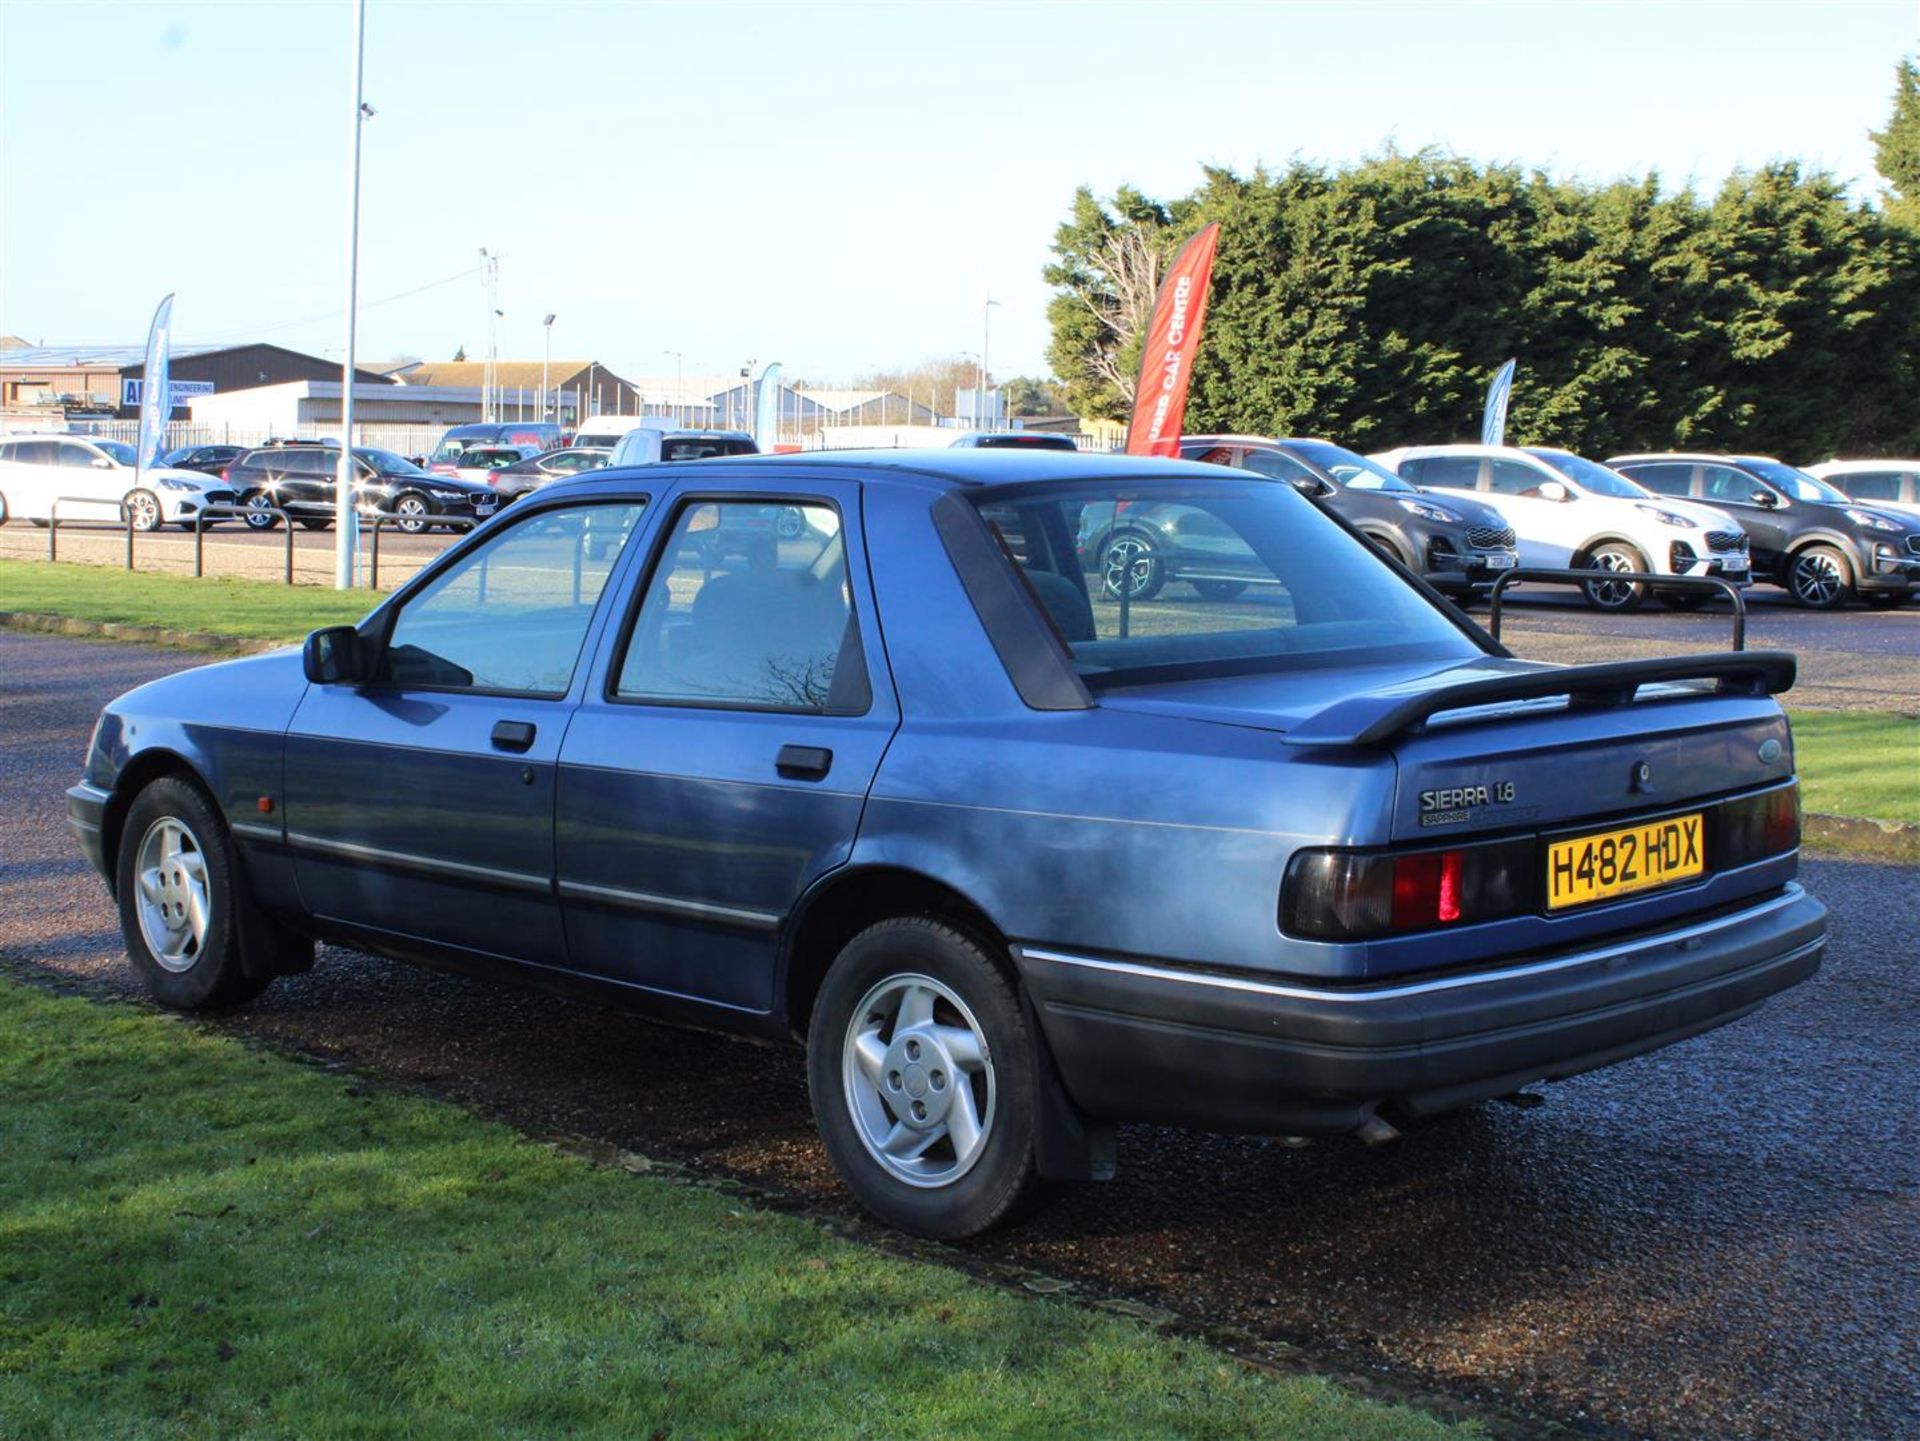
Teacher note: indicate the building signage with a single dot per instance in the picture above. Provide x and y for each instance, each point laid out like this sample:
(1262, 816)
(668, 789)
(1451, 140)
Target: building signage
(182, 391)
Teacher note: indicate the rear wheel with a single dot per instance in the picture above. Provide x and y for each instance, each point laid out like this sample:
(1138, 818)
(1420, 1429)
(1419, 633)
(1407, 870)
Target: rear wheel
(1819, 578)
(922, 1077)
(314, 523)
(1131, 565)
(176, 882)
(1616, 595)
(5, 514)
(144, 507)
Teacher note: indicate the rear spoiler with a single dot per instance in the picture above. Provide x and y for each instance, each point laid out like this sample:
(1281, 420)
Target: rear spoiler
(1365, 720)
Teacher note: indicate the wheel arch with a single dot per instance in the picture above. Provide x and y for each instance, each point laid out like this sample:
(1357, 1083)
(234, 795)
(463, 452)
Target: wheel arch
(1384, 535)
(135, 776)
(1583, 552)
(1832, 539)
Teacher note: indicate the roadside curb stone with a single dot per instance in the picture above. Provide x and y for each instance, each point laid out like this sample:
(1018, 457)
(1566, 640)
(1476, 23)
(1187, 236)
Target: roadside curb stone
(134, 634)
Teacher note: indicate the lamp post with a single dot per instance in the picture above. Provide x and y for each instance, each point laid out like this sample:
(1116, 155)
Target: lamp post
(986, 331)
(546, 359)
(346, 519)
(679, 393)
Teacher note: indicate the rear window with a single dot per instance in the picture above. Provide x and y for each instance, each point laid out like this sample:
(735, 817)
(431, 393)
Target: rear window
(1165, 580)
(704, 449)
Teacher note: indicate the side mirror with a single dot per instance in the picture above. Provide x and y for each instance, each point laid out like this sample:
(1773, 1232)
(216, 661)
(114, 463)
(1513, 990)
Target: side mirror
(336, 656)
(100, 462)
(1765, 497)
(1553, 490)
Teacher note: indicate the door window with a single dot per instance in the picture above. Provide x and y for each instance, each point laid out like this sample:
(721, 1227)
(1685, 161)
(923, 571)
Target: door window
(511, 616)
(36, 452)
(1667, 479)
(1449, 472)
(1281, 467)
(1514, 477)
(1870, 485)
(1724, 485)
(749, 606)
(76, 457)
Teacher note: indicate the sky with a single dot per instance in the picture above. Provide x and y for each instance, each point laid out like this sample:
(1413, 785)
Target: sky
(838, 187)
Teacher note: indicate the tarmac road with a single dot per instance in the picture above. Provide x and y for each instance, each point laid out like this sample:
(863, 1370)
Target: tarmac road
(1719, 1240)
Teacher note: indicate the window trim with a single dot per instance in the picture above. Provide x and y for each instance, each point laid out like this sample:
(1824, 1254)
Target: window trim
(388, 615)
(617, 660)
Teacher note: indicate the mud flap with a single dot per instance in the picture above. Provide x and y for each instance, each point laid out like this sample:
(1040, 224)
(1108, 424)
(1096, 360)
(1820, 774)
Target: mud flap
(1068, 1144)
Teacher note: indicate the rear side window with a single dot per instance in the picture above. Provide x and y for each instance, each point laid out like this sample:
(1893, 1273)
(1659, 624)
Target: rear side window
(512, 615)
(1667, 478)
(1869, 484)
(749, 606)
(35, 452)
(1449, 472)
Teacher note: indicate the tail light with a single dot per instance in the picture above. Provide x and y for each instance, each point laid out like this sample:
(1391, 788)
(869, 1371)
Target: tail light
(493, 478)
(1352, 895)
(226, 472)
(1755, 827)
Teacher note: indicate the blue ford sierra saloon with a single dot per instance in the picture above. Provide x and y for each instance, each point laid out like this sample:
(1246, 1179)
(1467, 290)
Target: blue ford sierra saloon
(860, 750)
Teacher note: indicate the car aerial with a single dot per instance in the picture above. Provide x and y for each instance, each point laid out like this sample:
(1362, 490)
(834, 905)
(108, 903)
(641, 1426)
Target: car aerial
(302, 480)
(1459, 546)
(1813, 540)
(523, 476)
(1016, 859)
(1571, 513)
(1882, 484)
(207, 459)
(479, 462)
(540, 434)
(647, 445)
(1014, 440)
(82, 477)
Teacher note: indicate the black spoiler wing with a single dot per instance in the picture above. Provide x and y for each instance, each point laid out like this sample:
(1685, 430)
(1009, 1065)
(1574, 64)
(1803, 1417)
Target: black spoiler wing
(1365, 720)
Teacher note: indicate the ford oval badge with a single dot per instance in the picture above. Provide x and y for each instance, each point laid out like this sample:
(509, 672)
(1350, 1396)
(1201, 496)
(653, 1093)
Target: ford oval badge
(1769, 751)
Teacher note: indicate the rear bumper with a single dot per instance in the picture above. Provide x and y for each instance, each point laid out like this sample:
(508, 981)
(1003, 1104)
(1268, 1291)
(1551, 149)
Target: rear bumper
(86, 811)
(1136, 1041)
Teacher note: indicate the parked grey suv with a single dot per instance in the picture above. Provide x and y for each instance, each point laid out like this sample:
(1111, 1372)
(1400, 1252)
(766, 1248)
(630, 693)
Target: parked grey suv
(1806, 536)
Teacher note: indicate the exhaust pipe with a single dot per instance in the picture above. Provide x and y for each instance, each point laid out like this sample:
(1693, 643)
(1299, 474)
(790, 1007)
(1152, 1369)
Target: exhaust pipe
(1375, 1132)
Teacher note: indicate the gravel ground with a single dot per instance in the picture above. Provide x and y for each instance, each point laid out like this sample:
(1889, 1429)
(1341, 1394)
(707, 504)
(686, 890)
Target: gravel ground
(1720, 1240)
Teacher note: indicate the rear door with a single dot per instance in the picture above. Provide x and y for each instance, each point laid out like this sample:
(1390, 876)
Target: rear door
(420, 805)
(720, 764)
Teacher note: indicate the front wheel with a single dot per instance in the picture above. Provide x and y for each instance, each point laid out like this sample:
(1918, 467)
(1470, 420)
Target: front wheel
(1616, 596)
(259, 512)
(1130, 565)
(413, 511)
(144, 507)
(5, 514)
(176, 884)
(922, 1076)
(1819, 578)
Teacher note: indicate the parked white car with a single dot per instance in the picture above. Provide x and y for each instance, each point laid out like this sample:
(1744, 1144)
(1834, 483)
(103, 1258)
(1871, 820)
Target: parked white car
(1571, 513)
(94, 479)
(1883, 484)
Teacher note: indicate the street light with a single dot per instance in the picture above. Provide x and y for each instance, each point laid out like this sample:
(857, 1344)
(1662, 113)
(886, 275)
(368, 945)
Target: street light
(986, 328)
(545, 360)
(347, 519)
(679, 394)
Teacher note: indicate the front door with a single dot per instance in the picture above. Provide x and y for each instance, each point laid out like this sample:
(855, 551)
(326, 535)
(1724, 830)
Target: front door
(1733, 491)
(1547, 530)
(419, 806)
(722, 765)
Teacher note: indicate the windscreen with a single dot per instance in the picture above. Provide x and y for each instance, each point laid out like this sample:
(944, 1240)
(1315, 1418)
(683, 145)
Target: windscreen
(119, 450)
(385, 462)
(1151, 581)
(1350, 469)
(1591, 475)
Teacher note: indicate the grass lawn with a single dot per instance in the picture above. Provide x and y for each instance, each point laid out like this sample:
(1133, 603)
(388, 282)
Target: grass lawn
(1858, 763)
(243, 609)
(198, 1238)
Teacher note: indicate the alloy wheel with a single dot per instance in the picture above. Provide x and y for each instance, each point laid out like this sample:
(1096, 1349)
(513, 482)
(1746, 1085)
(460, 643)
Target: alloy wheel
(1818, 580)
(918, 1080)
(1614, 594)
(175, 904)
(1130, 568)
(144, 509)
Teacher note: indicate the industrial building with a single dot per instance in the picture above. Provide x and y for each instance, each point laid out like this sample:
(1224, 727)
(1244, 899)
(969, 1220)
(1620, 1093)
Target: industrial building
(104, 381)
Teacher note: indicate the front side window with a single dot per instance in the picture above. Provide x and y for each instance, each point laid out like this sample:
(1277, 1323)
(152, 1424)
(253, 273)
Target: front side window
(1514, 477)
(1151, 581)
(1796, 483)
(76, 456)
(749, 606)
(1280, 467)
(512, 615)
(1351, 469)
(1724, 485)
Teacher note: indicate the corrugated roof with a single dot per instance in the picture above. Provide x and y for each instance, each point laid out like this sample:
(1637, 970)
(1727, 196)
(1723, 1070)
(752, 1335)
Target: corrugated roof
(506, 373)
(51, 357)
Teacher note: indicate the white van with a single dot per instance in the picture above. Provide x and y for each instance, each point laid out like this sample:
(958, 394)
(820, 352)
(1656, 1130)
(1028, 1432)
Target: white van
(644, 445)
(608, 430)
(1573, 513)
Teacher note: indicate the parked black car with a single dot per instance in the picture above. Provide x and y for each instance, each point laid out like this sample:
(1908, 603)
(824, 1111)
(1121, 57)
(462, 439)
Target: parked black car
(1815, 541)
(300, 479)
(1014, 440)
(207, 459)
(1459, 545)
(543, 433)
(526, 476)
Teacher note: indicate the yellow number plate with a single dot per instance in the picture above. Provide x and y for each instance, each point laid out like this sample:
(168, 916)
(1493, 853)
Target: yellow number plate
(1618, 863)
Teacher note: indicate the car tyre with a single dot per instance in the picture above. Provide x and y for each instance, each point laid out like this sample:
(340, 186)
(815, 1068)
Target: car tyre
(314, 524)
(144, 507)
(1819, 578)
(1131, 558)
(922, 1074)
(413, 511)
(178, 890)
(1219, 589)
(1616, 597)
(5, 514)
(259, 514)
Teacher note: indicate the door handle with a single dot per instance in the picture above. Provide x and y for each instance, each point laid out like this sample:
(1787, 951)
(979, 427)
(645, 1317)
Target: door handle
(512, 735)
(803, 763)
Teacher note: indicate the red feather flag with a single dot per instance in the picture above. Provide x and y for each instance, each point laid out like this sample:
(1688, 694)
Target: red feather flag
(1166, 362)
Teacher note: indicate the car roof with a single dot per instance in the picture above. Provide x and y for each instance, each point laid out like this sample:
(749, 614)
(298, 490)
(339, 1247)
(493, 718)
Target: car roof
(942, 468)
(1489, 451)
(1691, 456)
(1891, 462)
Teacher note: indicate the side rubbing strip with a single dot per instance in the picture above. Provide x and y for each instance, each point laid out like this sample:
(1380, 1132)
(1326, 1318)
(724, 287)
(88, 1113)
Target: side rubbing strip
(429, 865)
(670, 906)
